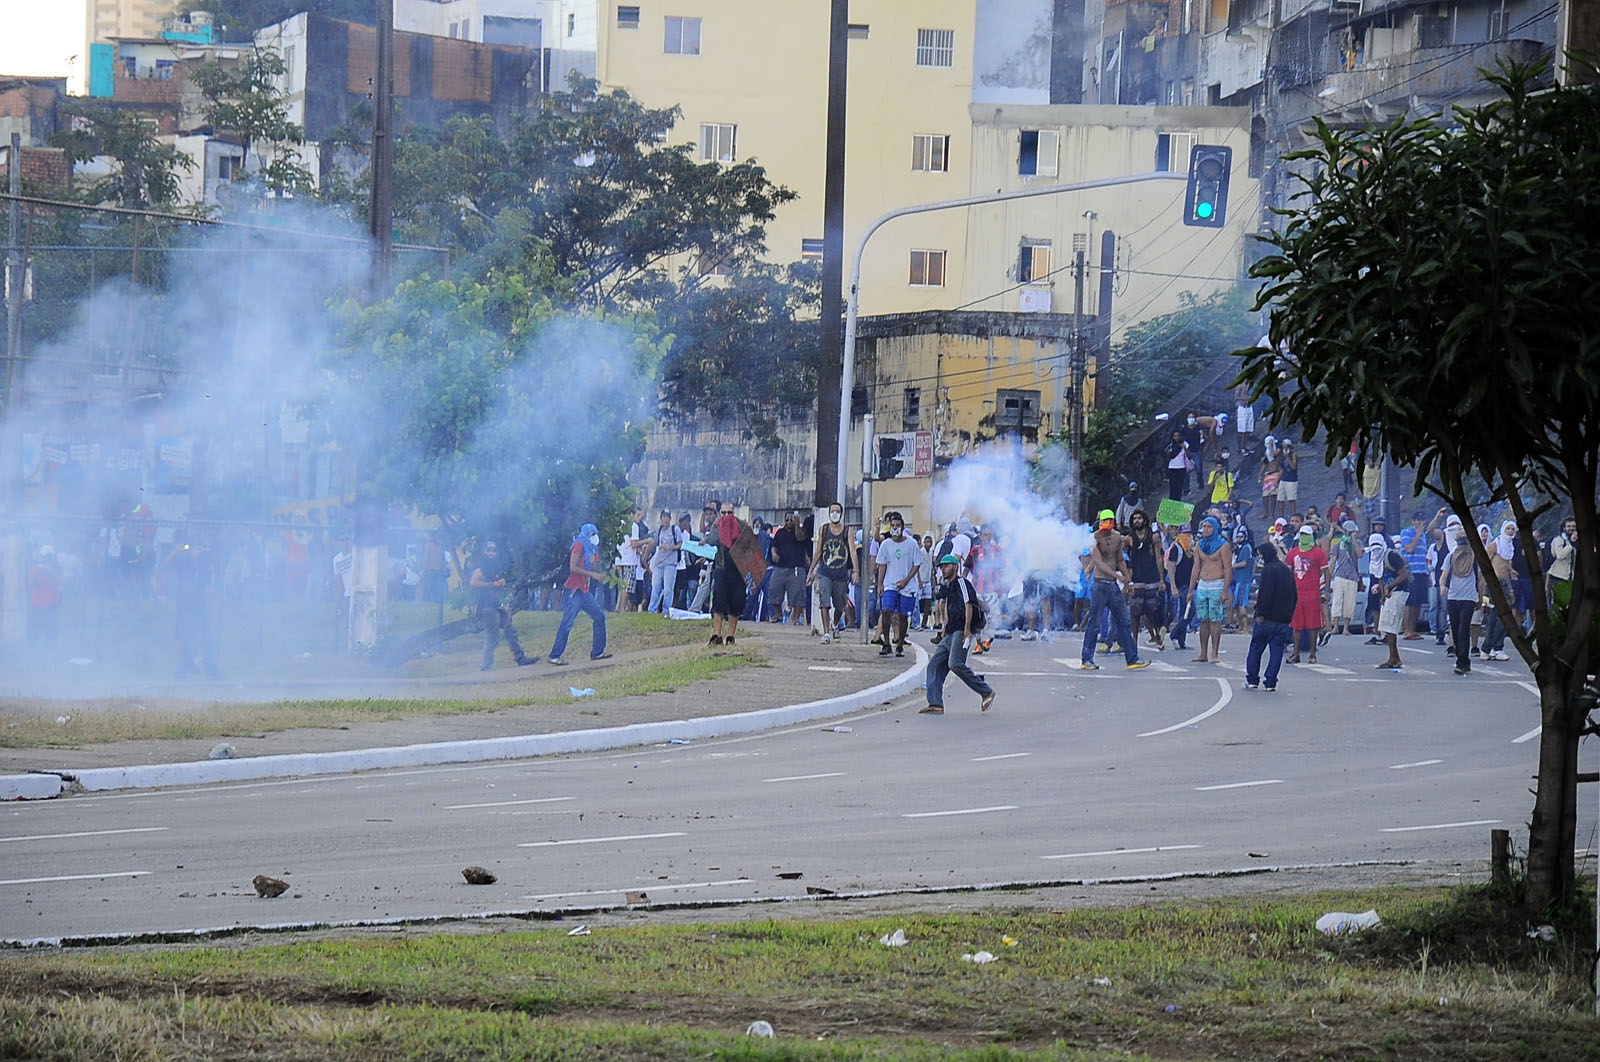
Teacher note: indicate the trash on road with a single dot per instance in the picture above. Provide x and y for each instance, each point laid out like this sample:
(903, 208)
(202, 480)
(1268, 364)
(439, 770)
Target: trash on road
(677, 741)
(637, 897)
(576, 692)
(267, 888)
(476, 875)
(838, 730)
(979, 957)
(760, 1028)
(897, 939)
(223, 751)
(1335, 922)
(818, 890)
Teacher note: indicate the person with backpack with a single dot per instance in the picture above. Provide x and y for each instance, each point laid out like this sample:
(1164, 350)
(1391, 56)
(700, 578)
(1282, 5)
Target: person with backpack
(664, 564)
(964, 620)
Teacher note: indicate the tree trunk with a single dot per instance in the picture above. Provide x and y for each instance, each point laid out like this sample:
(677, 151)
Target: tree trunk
(1553, 830)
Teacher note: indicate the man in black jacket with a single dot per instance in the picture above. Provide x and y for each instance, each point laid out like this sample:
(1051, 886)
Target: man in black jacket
(1274, 609)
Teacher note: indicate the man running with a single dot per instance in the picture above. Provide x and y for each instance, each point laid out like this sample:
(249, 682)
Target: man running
(1108, 571)
(1208, 585)
(959, 602)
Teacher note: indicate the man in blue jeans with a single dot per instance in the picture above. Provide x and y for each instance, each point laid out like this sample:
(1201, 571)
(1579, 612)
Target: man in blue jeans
(576, 593)
(1275, 601)
(950, 655)
(1108, 571)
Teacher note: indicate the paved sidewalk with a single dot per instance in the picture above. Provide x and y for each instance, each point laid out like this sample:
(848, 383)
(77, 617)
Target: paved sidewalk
(799, 672)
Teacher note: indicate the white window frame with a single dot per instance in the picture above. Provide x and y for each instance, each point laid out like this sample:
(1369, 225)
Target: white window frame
(685, 27)
(923, 264)
(1179, 146)
(628, 16)
(1046, 154)
(936, 47)
(1034, 263)
(811, 250)
(930, 153)
(712, 150)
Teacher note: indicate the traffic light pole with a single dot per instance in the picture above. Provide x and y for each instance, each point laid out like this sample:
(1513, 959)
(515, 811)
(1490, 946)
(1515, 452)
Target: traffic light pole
(853, 302)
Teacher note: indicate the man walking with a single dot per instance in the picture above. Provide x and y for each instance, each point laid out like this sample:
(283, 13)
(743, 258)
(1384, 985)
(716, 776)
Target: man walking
(1148, 566)
(950, 655)
(1108, 571)
(833, 569)
(578, 596)
(664, 561)
(788, 559)
(1309, 565)
(488, 581)
(1275, 605)
(899, 557)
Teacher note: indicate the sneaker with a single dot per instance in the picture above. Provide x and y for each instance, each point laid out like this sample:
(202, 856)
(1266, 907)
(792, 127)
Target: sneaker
(1105, 647)
(932, 709)
(1496, 655)
(607, 654)
(1029, 636)
(885, 651)
(716, 639)
(899, 651)
(1374, 641)
(987, 702)
(525, 661)
(827, 638)
(1463, 671)
(726, 641)
(1252, 685)
(1137, 664)
(1088, 665)
(1476, 651)
(1272, 689)
(559, 661)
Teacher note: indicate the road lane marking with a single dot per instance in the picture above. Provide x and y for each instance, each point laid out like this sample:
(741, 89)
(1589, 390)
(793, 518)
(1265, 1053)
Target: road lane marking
(805, 777)
(1529, 736)
(1002, 756)
(813, 667)
(1123, 851)
(506, 803)
(84, 833)
(960, 811)
(1227, 695)
(654, 886)
(599, 840)
(1419, 763)
(77, 877)
(1238, 785)
(1327, 669)
(1530, 687)
(1439, 826)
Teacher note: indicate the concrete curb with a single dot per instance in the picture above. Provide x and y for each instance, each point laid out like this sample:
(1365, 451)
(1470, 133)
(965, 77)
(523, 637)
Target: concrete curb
(201, 772)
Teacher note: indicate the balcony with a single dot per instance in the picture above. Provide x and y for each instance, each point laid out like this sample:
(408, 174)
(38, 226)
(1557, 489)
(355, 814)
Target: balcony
(1385, 88)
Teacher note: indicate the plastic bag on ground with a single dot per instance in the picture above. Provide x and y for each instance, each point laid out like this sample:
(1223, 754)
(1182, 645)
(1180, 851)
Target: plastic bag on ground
(897, 939)
(1335, 922)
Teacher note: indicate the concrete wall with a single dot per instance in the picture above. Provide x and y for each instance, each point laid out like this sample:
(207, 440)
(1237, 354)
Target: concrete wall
(688, 463)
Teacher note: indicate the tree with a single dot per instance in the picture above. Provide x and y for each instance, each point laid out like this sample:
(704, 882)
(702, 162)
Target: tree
(483, 403)
(248, 103)
(1436, 289)
(240, 18)
(144, 170)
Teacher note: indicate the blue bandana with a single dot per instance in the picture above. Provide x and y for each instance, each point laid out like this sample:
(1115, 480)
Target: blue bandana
(1211, 538)
(590, 552)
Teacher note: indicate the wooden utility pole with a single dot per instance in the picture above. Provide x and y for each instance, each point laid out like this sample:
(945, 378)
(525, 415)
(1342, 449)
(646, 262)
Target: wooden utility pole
(830, 367)
(382, 204)
(16, 271)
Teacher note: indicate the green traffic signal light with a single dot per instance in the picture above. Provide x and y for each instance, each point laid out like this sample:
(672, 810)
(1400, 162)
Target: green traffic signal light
(1206, 199)
(1204, 210)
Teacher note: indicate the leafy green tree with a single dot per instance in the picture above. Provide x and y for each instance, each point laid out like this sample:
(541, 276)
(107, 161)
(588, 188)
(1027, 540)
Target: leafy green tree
(1436, 289)
(484, 403)
(144, 170)
(248, 103)
(240, 18)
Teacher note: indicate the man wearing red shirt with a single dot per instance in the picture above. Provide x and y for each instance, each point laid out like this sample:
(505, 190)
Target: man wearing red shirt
(1309, 565)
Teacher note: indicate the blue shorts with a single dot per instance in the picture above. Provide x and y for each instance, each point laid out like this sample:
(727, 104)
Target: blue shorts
(899, 602)
(1208, 601)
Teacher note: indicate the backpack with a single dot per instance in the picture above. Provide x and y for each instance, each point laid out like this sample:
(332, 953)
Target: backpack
(945, 546)
(980, 615)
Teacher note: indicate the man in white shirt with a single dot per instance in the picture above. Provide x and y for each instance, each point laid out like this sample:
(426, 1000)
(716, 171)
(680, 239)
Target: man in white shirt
(899, 559)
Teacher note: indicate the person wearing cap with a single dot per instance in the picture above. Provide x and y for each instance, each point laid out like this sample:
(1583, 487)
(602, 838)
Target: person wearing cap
(1345, 566)
(1108, 571)
(1276, 601)
(1129, 501)
(1221, 483)
(949, 657)
(1308, 563)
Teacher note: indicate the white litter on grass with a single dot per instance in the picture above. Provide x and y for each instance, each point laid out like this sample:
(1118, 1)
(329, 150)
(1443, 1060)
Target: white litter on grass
(897, 939)
(1103, 982)
(63, 720)
(580, 931)
(576, 692)
(979, 957)
(1335, 922)
(685, 614)
(1544, 933)
(760, 1028)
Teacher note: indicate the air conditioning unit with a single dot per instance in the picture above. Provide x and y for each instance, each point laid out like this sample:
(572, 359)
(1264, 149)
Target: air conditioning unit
(1034, 300)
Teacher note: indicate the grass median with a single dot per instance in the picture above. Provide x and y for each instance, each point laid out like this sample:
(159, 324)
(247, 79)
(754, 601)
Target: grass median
(90, 722)
(1449, 975)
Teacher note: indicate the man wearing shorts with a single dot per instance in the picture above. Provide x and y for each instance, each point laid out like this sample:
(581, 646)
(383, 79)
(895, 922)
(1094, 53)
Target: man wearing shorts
(1289, 478)
(1391, 614)
(833, 569)
(1208, 583)
(899, 560)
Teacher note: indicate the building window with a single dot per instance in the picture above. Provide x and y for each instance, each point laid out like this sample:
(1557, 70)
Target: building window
(717, 142)
(164, 69)
(912, 419)
(1016, 411)
(1172, 151)
(628, 16)
(857, 31)
(712, 264)
(930, 153)
(572, 25)
(683, 36)
(1037, 157)
(810, 250)
(453, 33)
(226, 165)
(936, 47)
(927, 269)
(1034, 267)
(1497, 22)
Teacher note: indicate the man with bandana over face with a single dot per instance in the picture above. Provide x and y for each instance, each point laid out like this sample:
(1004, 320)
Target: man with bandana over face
(1309, 564)
(577, 595)
(1208, 585)
(1108, 571)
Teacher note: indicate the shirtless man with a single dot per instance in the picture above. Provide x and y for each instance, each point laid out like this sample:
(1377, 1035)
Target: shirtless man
(1108, 571)
(1208, 583)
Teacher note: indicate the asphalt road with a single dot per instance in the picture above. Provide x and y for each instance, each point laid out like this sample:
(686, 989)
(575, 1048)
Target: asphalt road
(1073, 775)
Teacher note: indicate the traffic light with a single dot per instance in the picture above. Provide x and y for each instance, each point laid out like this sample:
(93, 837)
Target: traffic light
(889, 461)
(1206, 202)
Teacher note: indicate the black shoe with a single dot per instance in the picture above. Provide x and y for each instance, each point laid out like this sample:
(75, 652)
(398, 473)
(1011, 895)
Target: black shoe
(885, 651)
(726, 641)
(526, 661)
(899, 652)
(606, 654)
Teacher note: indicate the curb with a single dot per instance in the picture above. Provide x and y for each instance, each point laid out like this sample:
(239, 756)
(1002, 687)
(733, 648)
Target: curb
(43, 786)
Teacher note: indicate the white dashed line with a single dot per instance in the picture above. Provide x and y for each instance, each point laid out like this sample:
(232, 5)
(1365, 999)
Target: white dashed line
(1238, 785)
(654, 886)
(960, 811)
(1123, 851)
(506, 803)
(1419, 763)
(805, 777)
(78, 877)
(600, 840)
(1002, 756)
(813, 667)
(1439, 826)
(85, 833)
(1529, 736)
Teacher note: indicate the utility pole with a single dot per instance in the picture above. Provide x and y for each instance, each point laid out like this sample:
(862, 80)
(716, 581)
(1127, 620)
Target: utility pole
(13, 561)
(382, 203)
(1079, 374)
(865, 575)
(831, 363)
(15, 272)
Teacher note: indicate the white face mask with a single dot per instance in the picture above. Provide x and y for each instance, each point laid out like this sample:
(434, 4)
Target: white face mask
(835, 515)
(594, 540)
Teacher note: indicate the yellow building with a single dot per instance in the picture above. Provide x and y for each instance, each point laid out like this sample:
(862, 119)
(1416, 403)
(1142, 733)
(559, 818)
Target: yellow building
(139, 19)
